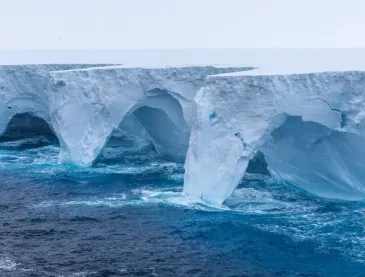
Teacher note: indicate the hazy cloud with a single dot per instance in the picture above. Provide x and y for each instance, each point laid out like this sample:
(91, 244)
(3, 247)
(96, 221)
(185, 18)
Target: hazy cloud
(95, 24)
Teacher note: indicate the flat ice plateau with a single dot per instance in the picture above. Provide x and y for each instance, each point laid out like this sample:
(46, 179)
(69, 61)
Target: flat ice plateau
(307, 124)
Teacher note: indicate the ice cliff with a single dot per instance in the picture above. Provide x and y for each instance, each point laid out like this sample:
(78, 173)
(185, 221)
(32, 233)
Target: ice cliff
(88, 104)
(309, 126)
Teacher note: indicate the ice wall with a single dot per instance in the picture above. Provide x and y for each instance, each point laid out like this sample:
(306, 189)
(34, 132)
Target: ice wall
(237, 115)
(88, 104)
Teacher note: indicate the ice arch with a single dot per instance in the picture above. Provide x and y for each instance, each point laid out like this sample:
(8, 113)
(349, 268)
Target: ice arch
(23, 89)
(32, 131)
(329, 163)
(258, 164)
(89, 104)
(237, 115)
(24, 92)
(170, 139)
(160, 115)
(146, 129)
(126, 141)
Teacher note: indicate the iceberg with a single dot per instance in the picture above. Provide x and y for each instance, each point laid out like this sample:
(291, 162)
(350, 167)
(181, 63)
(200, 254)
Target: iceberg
(309, 127)
(305, 128)
(89, 104)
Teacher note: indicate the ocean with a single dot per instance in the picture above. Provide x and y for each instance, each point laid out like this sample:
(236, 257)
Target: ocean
(127, 216)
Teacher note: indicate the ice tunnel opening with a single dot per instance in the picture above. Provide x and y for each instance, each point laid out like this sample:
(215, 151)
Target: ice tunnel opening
(127, 143)
(292, 145)
(258, 164)
(314, 158)
(257, 169)
(169, 141)
(30, 130)
(153, 129)
(325, 162)
(147, 133)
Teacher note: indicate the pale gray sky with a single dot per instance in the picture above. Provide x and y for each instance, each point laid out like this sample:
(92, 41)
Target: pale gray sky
(121, 24)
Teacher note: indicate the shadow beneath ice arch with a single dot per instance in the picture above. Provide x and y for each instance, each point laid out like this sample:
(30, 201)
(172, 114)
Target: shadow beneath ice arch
(155, 127)
(29, 131)
(258, 164)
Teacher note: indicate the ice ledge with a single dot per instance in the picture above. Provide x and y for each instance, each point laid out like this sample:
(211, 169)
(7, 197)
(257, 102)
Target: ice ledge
(291, 71)
(146, 66)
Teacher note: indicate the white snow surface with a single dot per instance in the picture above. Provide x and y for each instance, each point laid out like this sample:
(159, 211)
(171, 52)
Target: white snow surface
(310, 128)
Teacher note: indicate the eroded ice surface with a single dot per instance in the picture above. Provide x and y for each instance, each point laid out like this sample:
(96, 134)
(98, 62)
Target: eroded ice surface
(319, 150)
(88, 104)
(25, 89)
(309, 126)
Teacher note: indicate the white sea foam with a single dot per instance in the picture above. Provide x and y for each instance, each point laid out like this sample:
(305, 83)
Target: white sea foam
(300, 219)
(7, 264)
(244, 200)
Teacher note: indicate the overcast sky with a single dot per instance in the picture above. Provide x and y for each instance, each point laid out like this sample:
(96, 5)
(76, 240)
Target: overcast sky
(121, 24)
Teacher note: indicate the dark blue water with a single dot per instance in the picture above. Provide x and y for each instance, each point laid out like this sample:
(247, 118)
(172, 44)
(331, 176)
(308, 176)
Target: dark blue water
(126, 216)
